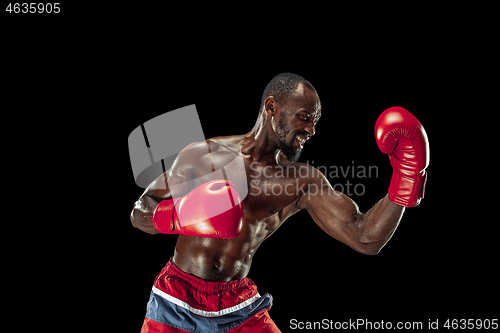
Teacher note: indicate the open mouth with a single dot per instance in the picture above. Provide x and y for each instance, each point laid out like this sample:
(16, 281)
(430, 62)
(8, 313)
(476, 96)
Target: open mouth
(300, 141)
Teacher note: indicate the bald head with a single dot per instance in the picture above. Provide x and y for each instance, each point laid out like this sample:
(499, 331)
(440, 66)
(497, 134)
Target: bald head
(283, 86)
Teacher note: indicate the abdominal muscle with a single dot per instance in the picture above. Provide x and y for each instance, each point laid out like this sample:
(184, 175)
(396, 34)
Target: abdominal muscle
(212, 259)
(223, 260)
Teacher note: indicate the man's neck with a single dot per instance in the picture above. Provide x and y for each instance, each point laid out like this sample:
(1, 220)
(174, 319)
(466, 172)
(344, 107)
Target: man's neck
(261, 143)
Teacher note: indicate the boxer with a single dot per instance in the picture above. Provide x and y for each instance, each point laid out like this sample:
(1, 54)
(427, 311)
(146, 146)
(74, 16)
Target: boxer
(204, 287)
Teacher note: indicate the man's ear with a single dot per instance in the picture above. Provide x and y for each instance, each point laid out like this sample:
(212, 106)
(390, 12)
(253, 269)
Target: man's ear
(270, 106)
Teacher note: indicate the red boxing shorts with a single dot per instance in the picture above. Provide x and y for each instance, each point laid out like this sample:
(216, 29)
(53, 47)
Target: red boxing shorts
(181, 302)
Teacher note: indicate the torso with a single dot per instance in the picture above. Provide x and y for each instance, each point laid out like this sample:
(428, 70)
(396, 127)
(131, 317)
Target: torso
(273, 191)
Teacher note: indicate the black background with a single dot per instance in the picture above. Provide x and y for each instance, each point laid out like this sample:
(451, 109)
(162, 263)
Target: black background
(76, 86)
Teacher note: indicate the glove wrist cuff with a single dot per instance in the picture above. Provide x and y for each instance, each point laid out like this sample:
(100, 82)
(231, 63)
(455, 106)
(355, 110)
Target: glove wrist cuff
(164, 216)
(407, 191)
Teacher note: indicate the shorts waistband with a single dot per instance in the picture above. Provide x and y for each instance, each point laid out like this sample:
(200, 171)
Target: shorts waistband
(208, 287)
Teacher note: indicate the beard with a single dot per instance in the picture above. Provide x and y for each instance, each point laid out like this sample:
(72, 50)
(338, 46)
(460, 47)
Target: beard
(291, 152)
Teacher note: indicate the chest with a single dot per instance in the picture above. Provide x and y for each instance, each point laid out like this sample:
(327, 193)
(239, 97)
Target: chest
(267, 190)
(271, 189)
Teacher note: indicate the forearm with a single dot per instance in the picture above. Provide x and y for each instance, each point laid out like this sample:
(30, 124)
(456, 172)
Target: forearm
(378, 224)
(141, 216)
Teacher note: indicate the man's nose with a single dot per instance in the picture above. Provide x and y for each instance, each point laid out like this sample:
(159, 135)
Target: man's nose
(310, 129)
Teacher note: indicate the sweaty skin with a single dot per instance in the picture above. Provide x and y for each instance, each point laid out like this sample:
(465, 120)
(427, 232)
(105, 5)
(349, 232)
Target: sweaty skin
(275, 192)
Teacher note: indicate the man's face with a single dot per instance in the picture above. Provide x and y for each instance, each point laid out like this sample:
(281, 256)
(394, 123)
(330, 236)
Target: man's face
(299, 115)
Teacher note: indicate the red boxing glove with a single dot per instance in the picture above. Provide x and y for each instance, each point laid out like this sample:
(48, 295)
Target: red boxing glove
(400, 134)
(211, 210)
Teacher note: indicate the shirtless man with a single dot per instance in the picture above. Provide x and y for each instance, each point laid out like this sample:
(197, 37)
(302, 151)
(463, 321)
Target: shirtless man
(205, 287)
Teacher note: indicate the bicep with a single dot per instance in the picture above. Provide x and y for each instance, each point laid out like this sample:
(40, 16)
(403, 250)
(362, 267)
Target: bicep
(334, 212)
(175, 182)
(172, 184)
(178, 180)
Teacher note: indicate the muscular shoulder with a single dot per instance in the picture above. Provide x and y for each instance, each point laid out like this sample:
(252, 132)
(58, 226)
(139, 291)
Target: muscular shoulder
(204, 157)
(194, 158)
(224, 144)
